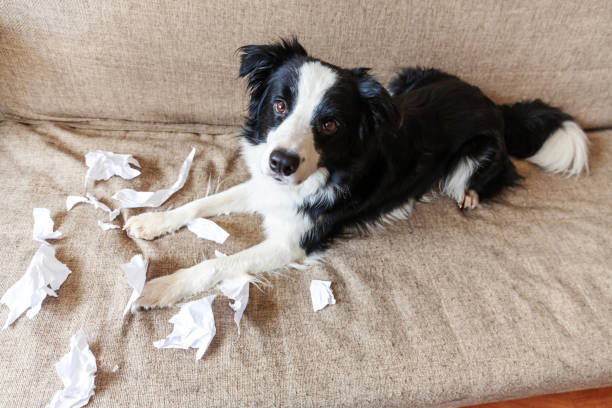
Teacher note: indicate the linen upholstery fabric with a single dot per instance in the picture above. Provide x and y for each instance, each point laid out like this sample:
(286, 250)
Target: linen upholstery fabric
(175, 62)
(445, 309)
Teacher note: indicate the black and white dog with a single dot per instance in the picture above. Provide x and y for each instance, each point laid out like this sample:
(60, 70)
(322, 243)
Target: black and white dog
(331, 150)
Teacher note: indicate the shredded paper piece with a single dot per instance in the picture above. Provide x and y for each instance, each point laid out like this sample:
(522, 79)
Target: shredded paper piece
(207, 229)
(43, 277)
(77, 370)
(136, 274)
(71, 201)
(219, 254)
(104, 226)
(321, 294)
(238, 291)
(104, 165)
(133, 199)
(115, 368)
(194, 327)
(43, 225)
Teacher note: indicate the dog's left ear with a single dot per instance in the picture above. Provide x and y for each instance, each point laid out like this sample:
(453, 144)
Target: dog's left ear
(257, 62)
(380, 109)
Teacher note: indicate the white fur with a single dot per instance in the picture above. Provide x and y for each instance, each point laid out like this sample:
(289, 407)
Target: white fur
(295, 132)
(456, 183)
(565, 151)
(283, 225)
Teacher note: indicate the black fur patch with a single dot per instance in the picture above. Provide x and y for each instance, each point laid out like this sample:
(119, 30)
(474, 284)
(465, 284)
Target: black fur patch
(392, 149)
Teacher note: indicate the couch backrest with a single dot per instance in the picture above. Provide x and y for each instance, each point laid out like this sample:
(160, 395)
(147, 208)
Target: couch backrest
(169, 61)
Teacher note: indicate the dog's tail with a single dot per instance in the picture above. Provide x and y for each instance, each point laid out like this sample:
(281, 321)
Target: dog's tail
(545, 136)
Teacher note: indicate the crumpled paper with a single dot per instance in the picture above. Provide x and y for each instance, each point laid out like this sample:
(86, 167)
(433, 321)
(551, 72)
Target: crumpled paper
(207, 229)
(43, 225)
(136, 274)
(104, 165)
(238, 291)
(77, 371)
(133, 199)
(71, 201)
(194, 327)
(321, 294)
(43, 277)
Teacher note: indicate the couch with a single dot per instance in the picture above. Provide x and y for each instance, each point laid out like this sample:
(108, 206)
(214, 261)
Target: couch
(446, 309)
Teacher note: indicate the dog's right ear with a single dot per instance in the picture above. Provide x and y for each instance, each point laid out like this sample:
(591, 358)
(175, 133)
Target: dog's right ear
(257, 62)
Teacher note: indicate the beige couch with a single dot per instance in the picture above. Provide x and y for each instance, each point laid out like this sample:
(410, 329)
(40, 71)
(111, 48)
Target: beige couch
(446, 309)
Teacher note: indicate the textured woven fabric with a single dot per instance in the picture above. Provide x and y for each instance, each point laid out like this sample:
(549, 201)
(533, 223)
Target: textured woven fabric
(445, 309)
(175, 62)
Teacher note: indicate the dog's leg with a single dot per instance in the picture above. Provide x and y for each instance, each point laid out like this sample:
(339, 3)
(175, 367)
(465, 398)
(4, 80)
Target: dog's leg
(153, 224)
(263, 257)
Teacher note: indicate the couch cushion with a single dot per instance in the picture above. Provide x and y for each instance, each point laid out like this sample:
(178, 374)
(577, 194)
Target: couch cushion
(160, 62)
(446, 309)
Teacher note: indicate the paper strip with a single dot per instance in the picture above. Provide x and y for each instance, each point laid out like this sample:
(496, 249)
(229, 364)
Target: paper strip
(136, 274)
(133, 199)
(43, 225)
(207, 229)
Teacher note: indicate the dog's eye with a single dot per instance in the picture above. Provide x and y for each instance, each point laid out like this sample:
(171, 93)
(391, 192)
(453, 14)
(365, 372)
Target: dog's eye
(329, 127)
(280, 107)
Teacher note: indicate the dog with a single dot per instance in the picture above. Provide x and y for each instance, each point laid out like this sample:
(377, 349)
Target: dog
(332, 151)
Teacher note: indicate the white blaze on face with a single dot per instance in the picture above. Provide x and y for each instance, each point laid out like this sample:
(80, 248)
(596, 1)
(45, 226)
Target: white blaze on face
(295, 132)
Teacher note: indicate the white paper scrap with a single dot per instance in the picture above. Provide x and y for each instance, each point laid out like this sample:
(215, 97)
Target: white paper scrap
(321, 294)
(133, 199)
(115, 368)
(43, 225)
(136, 274)
(77, 371)
(194, 327)
(219, 254)
(207, 229)
(44, 276)
(104, 165)
(104, 226)
(238, 291)
(71, 201)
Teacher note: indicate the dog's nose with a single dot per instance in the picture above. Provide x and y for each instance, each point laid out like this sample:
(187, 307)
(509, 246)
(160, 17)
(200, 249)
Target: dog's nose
(284, 162)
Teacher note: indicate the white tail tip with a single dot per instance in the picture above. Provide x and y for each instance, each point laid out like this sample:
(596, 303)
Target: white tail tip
(565, 151)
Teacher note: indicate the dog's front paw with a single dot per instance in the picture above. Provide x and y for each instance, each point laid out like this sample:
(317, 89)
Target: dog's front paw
(152, 225)
(160, 292)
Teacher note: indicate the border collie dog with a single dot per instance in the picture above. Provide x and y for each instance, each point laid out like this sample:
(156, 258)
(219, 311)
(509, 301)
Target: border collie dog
(331, 151)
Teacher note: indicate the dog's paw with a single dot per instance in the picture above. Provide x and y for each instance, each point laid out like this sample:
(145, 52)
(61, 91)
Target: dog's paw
(469, 200)
(159, 293)
(151, 225)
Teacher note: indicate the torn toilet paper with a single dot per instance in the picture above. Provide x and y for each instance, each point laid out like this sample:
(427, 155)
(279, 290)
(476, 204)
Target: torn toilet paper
(321, 294)
(136, 274)
(30, 291)
(219, 254)
(194, 327)
(238, 291)
(77, 371)
(43, 225)
(104, 226)
(133, 199)
(104, 165)
(71, 201)
(207, 229)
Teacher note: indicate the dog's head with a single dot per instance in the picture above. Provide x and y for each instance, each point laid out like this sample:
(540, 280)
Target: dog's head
(305, 114)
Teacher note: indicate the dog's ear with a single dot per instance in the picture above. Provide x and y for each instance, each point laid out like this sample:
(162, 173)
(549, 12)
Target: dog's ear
(257, 62)
(380, 111)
